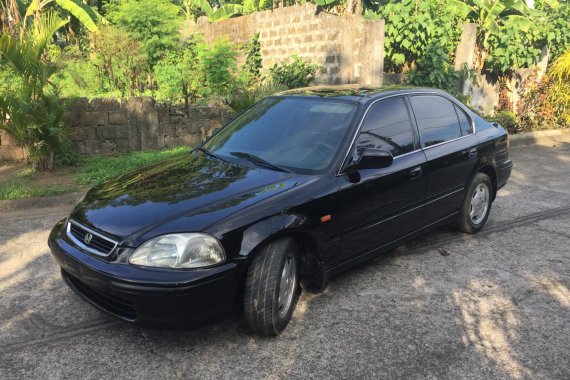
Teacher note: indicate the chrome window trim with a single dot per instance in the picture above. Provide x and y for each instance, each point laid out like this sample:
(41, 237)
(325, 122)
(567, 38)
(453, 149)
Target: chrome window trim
(340, 172)
(95, 233)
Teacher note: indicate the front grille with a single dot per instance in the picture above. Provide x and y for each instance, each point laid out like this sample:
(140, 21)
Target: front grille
(114, 305)
(90, 240)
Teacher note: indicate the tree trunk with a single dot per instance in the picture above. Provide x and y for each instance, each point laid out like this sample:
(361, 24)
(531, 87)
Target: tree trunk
(50, 161)
(354, 7)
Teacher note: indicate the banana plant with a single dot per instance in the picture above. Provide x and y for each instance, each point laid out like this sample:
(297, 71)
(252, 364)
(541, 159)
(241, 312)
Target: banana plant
(78, 9)
(216, 14)
(490, 15)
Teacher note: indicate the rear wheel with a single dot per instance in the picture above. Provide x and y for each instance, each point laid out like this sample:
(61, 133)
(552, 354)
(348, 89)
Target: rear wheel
(476, 205)
(272, 287)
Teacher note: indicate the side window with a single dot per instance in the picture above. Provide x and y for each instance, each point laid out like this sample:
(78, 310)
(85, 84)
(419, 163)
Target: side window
(463, 121)
(387, 126)
(436, 119)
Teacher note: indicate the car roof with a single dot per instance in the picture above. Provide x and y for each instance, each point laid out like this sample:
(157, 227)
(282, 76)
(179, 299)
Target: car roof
(356, 92)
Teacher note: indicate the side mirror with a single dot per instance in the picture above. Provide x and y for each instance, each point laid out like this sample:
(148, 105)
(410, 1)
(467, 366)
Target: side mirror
(371, 158)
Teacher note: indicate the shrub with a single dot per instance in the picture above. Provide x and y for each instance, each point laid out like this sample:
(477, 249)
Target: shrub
(32, 110)
(253, 61)
(154, 23)
(241, 99)
(177, 76)
(559, 31)
(536, 111)
(196, 71)
(413, 28)
(434, 70)
(217, 64)
(298, 73)
(120, 61)
(507, 119)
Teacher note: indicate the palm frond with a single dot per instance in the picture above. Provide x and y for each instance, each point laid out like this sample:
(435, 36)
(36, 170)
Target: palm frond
(560, 68)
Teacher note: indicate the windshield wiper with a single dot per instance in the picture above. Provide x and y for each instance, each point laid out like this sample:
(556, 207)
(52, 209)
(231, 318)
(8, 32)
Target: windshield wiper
(207, 152)
(259, 161)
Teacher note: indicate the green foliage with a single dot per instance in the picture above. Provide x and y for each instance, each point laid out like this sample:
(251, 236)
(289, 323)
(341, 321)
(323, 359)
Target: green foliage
(558, 32)
(120, 61)
(560, 86)
(298, 73)
(81, 78)
(178, 76)
(197, 71)
(96, 169)
(413, 27)
(153, 23)
(434, 69)
(517, 45)
(250, 6)
(222, 12)
(217, 63)
(544, 105)
(78, 9)
(170, 77)
(506, 118)
(20, 189)
(33, 107)
(253, 61)
(243, 98)
(490, 15)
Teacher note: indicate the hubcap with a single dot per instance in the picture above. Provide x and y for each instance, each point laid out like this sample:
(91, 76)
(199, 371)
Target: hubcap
(479, 203)
(287, 285)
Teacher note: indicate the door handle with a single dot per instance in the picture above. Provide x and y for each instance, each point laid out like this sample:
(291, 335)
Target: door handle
(473, 153)
(416, 172)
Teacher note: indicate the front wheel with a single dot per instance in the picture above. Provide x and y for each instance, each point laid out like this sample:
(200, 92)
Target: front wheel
(272, 287)
(476, 205)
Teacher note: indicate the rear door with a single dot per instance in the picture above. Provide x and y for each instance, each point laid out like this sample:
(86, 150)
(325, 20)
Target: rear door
(450, 145)
(377, 206)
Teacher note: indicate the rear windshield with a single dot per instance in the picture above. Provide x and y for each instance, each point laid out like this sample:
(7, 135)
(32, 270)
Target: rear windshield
(297, 133)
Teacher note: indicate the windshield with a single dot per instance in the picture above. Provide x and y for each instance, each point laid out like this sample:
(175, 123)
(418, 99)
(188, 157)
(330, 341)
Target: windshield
(299, 134)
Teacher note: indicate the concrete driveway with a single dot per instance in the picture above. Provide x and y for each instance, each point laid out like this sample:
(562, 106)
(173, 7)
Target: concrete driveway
(494, 305)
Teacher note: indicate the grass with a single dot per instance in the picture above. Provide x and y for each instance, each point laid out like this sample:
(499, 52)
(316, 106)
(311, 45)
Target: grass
(23, 182)
(96, 169)
(19, 190)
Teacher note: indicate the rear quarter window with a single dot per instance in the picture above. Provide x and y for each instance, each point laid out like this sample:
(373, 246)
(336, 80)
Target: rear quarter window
(464, 121)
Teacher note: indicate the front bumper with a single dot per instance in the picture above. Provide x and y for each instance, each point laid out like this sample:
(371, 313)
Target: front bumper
(149, 297)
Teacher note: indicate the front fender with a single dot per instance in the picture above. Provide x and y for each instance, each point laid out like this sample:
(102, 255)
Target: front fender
(269, 228)
(298, 226)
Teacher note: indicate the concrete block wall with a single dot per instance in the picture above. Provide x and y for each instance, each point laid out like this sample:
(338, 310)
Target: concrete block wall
(350, 48)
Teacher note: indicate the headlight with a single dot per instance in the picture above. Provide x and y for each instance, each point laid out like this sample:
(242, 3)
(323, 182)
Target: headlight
(188, 250)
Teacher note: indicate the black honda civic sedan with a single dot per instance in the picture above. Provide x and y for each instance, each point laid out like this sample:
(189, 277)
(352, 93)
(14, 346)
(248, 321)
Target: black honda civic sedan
(298, 188)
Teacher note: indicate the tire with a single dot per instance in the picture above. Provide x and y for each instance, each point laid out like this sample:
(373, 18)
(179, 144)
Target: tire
(475, 211)
(267, 311)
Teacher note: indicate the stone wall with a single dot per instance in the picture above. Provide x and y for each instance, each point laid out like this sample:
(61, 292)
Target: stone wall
(350, 48)
(106, 126)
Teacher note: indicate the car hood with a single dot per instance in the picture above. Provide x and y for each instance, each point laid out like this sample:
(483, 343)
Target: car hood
(193, 189)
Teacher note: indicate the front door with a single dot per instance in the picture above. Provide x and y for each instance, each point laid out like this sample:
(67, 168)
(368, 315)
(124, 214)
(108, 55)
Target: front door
(377, 206)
